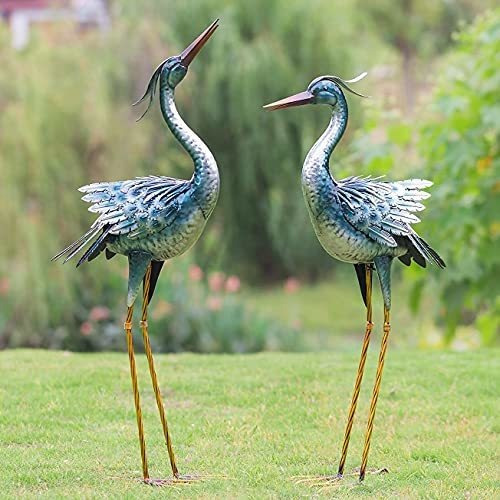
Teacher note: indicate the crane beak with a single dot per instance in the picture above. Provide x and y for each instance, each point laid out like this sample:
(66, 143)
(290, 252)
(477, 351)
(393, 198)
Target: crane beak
(190, 52)
(294, 100)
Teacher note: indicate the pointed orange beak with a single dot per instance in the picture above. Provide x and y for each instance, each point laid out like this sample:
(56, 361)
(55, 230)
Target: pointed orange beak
(294, 100)
(190, 52)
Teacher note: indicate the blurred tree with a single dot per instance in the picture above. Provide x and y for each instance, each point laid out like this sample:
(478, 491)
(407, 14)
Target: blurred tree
(66, 120)
(456, 145)
(460, 149)
(61, 127)
(418, 29)
(263, 50)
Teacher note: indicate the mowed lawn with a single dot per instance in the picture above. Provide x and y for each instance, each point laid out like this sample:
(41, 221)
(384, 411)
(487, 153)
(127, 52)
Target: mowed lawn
(67, 424)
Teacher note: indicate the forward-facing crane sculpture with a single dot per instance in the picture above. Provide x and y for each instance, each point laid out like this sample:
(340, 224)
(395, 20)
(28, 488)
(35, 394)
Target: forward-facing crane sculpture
(362, 221)
(152, 219)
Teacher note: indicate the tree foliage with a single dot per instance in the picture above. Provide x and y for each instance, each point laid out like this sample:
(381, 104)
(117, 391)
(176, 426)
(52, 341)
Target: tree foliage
(460, 149)
(453, 141)
(263, 51)
(418, 30)
(66, 120)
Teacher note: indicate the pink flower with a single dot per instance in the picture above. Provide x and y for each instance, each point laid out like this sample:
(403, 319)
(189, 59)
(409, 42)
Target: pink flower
(291, 285)
(4, 286)
(86, 328)
(214, 303)
(233, 284)
(99, 313)
(216, 282)
(195, 273)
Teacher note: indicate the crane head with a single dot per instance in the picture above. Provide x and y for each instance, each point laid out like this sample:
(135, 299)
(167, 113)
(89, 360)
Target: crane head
(174, 69)
(322, 90)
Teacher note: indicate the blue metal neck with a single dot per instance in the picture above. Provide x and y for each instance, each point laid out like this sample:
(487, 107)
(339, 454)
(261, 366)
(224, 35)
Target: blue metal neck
(317, 182)
(319, 154)
(205, 178)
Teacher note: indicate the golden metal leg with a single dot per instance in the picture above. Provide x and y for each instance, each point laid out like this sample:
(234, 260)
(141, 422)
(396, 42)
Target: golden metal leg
(327, 481)
(376, 390)
(135, 388)
(361, 368)
(152, 371)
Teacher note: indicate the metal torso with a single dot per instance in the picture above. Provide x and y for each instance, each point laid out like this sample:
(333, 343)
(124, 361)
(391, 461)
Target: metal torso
(345, 243)
(194, 206)
(336, 235)
(173, 240)
(205, 180)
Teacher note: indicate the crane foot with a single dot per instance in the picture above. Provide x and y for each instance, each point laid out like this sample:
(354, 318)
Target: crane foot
(326, 481)
(373, 471)
(178, 481)
(317, 480)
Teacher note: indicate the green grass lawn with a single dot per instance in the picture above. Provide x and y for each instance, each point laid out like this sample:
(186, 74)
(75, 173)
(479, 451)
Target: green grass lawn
(67, 425)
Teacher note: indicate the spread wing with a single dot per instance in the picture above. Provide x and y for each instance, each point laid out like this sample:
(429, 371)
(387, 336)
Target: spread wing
(385, 212)
(134, 208)
(137, 207)
(382, 210)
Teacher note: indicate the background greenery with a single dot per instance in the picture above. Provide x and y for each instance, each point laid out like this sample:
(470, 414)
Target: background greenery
(66, 120)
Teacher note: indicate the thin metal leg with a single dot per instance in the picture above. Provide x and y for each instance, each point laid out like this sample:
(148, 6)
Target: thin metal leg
(152, 371)
(135, 388)
(361, 368)
(376, 390)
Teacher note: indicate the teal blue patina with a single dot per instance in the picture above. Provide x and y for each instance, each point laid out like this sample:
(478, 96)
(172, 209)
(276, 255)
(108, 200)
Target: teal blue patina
(363, 221)
(152, 219)
(149, 220)
(357, 219)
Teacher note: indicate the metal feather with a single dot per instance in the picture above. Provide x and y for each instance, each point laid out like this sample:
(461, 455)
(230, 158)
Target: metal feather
(150, 89)
(343, 83)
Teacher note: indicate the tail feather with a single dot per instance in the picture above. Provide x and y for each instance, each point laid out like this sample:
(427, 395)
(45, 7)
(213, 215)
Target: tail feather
(71, 254)
(421, 251)
(405, 259)
(415, 253)
(70, 251)
(109, 254)
(361, 275)
(433, 255)
(84, 238)
(156, 266)
(93, 250)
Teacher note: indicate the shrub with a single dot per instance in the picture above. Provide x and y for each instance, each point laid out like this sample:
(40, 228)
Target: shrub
(455, 143)
(189, 312)
(459, 147)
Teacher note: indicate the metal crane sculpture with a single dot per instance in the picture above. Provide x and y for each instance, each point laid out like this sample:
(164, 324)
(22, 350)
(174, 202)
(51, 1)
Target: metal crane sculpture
(152, 219)
(362, 221)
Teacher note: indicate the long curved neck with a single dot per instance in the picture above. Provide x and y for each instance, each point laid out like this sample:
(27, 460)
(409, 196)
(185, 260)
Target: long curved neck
(319, 154)
(316, 179)
(205, 178)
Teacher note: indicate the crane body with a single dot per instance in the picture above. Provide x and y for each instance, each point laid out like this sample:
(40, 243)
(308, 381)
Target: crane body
(150, 220)
(363, 221)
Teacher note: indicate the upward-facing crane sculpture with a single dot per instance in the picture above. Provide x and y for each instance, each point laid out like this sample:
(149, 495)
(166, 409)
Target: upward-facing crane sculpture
(362, 221)
(152, 219)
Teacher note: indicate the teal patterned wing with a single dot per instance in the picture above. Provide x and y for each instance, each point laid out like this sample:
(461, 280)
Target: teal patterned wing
(385, 211)
(134, 208)
(137, 207)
